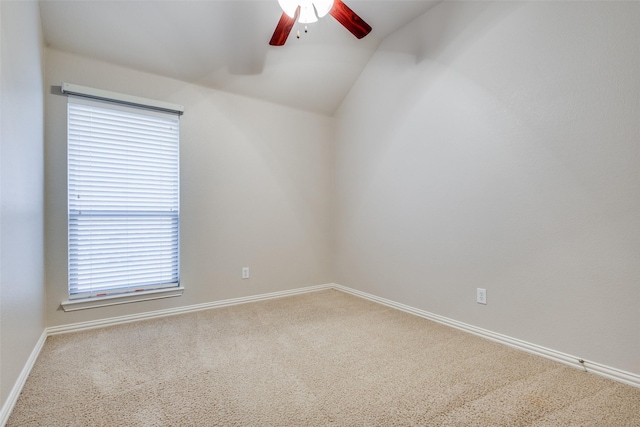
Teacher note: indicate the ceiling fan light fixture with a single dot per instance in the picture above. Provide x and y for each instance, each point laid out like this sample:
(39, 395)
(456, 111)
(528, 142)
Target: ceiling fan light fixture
(289, 6)
(307, 14)
(307, 11)
(323, 7)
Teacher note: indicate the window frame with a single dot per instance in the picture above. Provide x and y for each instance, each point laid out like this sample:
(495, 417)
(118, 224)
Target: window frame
(125, 293)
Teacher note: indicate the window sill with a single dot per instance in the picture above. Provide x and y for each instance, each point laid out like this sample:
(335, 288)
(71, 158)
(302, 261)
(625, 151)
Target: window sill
(82, 304)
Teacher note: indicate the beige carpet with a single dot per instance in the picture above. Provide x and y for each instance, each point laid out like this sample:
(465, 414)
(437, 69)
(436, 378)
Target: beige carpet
(324, 358)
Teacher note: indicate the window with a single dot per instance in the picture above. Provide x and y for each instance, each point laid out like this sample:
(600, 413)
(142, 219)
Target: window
(123, 199)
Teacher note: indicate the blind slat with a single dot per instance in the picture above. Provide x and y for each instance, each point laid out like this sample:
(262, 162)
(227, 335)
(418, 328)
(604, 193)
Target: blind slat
(123, 198)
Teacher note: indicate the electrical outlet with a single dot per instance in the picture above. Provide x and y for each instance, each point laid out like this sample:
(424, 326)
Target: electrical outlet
(481, 296)
(245, 272)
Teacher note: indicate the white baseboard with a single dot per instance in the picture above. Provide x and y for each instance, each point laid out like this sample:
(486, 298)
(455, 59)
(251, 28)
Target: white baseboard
(567, 359)
(82, 326)
(5, 412)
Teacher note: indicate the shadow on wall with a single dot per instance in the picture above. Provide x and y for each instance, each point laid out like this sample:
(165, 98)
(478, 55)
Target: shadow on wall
(246, 57)
(441, 35)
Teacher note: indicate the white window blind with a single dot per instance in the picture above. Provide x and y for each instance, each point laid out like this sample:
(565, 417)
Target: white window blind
(123, 199)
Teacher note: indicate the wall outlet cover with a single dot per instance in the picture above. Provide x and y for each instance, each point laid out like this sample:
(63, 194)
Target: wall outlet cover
(481, 296)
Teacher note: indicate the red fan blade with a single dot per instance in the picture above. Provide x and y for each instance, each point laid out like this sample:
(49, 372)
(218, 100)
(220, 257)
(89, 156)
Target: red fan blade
(349, 19)
(284, 28)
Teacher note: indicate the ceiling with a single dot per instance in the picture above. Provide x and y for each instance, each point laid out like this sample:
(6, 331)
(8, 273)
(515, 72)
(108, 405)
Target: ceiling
(223, 44)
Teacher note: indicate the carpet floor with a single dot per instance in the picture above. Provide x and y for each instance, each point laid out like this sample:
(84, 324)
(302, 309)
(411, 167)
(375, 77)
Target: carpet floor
(318, 359)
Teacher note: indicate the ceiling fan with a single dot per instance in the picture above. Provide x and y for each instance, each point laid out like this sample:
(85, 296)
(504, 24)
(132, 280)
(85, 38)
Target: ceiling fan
(307, 11)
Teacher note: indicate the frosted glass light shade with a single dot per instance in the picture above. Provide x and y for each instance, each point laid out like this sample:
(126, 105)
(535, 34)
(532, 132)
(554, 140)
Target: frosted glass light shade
(307, 12)
(323, 7)
(289, 6)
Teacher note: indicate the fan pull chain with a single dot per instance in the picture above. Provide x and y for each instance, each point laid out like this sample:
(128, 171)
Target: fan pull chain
(306, 30)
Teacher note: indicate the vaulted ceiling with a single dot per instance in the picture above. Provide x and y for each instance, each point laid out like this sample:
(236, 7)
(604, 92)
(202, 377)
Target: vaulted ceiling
(223, 44)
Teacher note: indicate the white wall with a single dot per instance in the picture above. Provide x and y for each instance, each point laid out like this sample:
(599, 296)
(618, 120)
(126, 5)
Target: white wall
(496, 145)
(256, 182)
(21, 189)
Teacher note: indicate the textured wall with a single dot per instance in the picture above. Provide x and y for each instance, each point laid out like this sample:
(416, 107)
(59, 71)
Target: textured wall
(21, 190)
(256, 182)
(495, 145)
